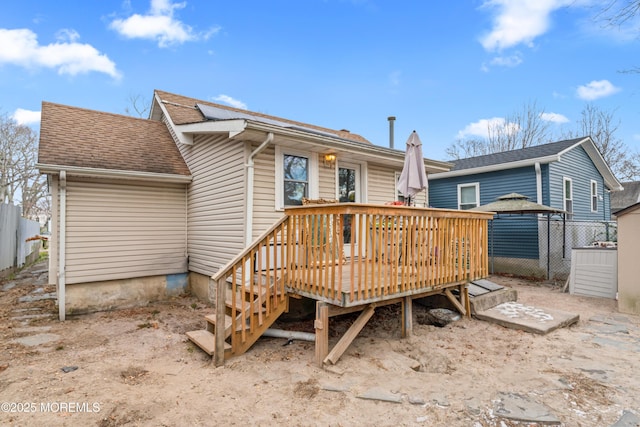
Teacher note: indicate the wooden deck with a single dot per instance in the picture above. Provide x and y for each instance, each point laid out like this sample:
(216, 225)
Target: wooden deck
(348, 257)
(370, 281)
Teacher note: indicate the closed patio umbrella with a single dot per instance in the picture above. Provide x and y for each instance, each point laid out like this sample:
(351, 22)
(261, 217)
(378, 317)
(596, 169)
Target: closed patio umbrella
(413, 178)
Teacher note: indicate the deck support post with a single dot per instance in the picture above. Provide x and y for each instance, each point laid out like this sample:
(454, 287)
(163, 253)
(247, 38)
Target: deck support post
(407, 317)
(464, 291)
(321, 326)
(220, 323)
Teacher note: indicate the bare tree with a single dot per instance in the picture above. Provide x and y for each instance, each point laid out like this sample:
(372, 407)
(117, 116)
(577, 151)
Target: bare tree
(139, 106)
(20, 181)
(521, 129)
(621, 13)
(463, 148)
(602, 126)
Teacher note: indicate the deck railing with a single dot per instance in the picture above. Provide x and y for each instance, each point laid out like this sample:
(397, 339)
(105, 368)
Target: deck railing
(348, 254)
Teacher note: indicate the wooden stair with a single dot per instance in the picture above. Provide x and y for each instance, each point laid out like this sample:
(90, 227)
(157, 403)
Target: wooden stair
(256, 319)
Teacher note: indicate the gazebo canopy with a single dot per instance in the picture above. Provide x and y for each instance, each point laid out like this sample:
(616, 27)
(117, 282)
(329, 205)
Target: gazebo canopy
(514, 203)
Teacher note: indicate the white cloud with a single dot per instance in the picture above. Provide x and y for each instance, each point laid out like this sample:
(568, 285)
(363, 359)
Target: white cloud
(503, 61)
(554, 117)
(159, 24)
(231, 101)
(26, 117)
(596, 89)
(482, 126)
(519, 21)
(394, 78)
(20, 47)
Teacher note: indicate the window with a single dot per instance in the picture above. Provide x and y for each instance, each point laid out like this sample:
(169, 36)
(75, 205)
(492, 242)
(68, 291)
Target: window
(296, 177)
(594, 196)
(468, 196)
(568, 196)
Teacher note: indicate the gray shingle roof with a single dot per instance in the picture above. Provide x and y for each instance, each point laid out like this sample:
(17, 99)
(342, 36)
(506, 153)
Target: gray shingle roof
(534, 152)
(627, 197)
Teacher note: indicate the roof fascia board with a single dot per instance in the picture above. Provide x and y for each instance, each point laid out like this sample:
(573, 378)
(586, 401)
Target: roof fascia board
(374, 151)
(498, 167)
(234, 127)
(111, 173)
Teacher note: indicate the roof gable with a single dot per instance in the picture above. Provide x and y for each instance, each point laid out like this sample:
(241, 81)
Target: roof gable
(80, 138)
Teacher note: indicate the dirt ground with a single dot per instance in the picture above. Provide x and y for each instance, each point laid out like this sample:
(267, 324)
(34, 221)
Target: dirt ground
(136, 367)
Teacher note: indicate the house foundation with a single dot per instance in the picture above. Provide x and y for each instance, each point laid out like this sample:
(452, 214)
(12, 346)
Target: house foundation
(84, 298)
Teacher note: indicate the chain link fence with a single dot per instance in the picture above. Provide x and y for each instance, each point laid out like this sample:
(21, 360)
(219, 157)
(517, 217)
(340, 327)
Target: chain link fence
(539, 248)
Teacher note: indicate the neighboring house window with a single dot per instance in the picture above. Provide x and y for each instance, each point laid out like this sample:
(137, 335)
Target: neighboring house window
(295, 177)
(568, 196)
(594, 196)
(468, 196)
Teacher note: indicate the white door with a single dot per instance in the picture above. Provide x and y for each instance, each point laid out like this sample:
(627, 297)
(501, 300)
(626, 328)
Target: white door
(349, 192)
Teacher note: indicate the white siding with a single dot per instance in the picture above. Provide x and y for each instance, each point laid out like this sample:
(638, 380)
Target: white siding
(594, 272)
(54, 242)
(327, 182)
(381, 185)
(216, 202)
(119, 230)
(264, 192)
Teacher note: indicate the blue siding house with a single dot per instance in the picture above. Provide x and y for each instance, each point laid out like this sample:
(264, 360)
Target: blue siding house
(569, 175)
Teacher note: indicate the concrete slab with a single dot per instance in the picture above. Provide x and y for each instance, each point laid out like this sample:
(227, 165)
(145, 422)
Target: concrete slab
(628, 419)
(8, 286)
(40, 297)
(487, 284)
(527, 318)
(491, 299)
(475, 290)
(38, 339)
(520, 408)
(381, 395)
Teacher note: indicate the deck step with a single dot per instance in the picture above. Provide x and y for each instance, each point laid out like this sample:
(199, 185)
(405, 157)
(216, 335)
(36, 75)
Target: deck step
(211, 324)
(206, 341)
(256, 308)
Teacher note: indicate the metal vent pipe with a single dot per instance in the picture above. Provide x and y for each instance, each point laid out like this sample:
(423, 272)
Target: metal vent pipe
(391, 119)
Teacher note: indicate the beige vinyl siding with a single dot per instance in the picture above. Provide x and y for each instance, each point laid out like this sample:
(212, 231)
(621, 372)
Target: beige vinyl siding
(216, 201)
(55, 241)
(327, 178)
(264, 191)
(381, 184)
(119, 230)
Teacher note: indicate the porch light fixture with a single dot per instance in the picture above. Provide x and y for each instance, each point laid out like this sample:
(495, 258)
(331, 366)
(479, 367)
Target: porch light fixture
(330, 160)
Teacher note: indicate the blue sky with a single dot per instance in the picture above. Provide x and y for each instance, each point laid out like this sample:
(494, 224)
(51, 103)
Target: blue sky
(442, 68)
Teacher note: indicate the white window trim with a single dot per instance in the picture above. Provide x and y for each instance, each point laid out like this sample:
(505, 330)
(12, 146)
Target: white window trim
(351, 165)
(469, 184)
(564, 195)
(396, 177)
(314, 190)
(594, 195)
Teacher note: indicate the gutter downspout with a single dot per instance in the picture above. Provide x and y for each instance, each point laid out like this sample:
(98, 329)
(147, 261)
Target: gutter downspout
(62, 231)
(248, 237)
(538, 183)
